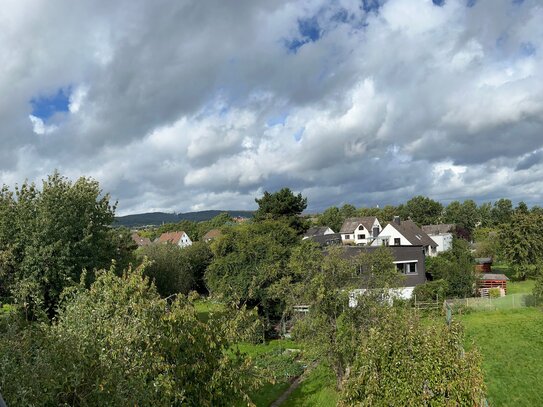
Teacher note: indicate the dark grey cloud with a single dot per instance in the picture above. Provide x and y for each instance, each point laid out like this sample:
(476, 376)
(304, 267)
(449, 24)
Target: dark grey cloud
(180, 105)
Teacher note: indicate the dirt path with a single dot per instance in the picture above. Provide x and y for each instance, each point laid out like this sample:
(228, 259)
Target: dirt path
(293, 386)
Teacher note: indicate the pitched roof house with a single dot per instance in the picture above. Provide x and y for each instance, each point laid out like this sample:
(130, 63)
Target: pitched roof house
(140, 241)
(360, 230)
(406, 233)
(442, 234)
(317, 231)
(180, 239)
(212, 234)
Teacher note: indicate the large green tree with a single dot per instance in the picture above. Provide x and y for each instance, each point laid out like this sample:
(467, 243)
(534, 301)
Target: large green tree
(282, 205)
(117, 344)
(422, 210)
(464, 215)
(48, 236)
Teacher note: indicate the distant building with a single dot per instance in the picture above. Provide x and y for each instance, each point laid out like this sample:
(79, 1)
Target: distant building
(180, 239)
(360, 230)
(140, 241)
(327, 240)
(212, 234)
(406, 233)
(317, 231)
(442, 234)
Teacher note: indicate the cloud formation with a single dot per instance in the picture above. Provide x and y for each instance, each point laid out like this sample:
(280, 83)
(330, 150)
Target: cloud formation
(188, 105)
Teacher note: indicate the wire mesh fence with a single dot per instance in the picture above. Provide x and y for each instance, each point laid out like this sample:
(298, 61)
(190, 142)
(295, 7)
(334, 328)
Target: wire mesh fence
(509, 301)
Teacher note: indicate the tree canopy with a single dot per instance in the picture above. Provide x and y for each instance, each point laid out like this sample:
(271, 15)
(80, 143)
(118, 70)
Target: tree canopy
(283, 204)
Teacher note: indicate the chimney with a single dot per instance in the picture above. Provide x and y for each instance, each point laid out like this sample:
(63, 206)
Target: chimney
(396, 220)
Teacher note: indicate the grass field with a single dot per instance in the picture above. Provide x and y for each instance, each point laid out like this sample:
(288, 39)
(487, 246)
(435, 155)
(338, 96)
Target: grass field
(511, 342)
(318, 389)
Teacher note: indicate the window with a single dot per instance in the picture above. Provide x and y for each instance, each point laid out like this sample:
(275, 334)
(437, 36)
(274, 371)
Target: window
(396, 241)
(407, 268)
(347, 237)
(360, 227)
(362, 236)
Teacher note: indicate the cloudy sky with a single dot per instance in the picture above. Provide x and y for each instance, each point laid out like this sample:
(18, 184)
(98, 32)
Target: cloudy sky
(180, 105)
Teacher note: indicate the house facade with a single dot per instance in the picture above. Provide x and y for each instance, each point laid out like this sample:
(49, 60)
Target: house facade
(442, 234)
(180, 239)
(360, 230)
(406, 233)
(317, 231)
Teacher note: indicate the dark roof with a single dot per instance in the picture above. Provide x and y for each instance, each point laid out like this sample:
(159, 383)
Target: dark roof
(327, 240)
(316, 231)
(439, 229)
(492, 276)
(400, 253)
(414, 234)
(483, 260)
(350, 224)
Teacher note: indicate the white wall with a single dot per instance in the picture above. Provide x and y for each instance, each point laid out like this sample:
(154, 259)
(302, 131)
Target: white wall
(185, 241)
(360, 230)
(392, 233)
(404, 293)
(443, 240)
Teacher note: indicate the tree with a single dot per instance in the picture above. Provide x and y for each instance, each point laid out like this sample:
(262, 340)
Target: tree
(502, 212)
(485, 214)
(331, 329)
(521, 242)
(248, 260)
(408, 362)
(456, 267)
(348, 211)
(422, 210)
(282, 205)
(332, 218)
(464, 215)
(118, 343)
(54, 234)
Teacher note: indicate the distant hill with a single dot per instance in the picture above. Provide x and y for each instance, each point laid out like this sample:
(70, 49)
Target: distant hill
(158, 218)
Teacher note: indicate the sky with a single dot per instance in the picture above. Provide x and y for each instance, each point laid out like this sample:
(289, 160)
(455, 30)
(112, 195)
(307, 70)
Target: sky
(180, 105)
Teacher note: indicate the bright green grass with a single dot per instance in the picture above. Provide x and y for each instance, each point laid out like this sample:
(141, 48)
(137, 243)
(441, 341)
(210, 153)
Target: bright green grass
(204, 307)
(516, 287)
(318, 389)
(511, 343)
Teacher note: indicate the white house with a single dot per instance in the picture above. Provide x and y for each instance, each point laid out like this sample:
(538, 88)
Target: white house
(441, 234)
(180, 239)
(360, 231)
(406, 233)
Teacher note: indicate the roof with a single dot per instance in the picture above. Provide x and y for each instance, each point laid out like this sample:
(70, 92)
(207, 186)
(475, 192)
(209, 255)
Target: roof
(400, 253)
(171, 237)
(483, 260)
(350, 224)
(492, 276)
(212, 234)
(439, 229)
(140, 241)
(316, 231)
(327, 240)
(414, 234)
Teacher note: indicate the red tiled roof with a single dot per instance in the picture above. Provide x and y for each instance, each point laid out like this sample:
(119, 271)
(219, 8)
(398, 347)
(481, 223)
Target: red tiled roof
(171, 237)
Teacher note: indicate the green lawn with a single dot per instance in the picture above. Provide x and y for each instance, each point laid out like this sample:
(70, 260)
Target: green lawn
(516, 287)
(318, 389)
(511, 343)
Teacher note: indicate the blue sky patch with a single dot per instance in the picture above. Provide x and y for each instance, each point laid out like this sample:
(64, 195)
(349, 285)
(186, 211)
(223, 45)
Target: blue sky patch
(298, 135)
(438, 2)
(370, 5)
(279, 119)
(309, 30)
(527, 49)
(44, 107)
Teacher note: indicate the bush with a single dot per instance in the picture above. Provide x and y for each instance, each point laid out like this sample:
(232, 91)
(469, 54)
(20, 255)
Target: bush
(494, 293)
(405, 362)
(431, 290)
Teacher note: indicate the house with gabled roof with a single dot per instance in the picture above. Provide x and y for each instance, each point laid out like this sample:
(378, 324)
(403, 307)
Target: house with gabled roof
(406, 233)
(140, 241)
(317, 231)
(442, 234)
(211, 235)
(360, 230)
(180, 238)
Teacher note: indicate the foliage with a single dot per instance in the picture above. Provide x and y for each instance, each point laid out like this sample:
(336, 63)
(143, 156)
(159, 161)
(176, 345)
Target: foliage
(331, 328)
(431, 290)
(494, 293)
(464, 215)
(422, 210)
(177, 270)
(317, 389)
(537, 291)
(332, 218)
(521, 242)
(48, 236)
(405, 362)
(120, 344)
(501, 212)
(282, 205)
(248, 261)
(456, 267)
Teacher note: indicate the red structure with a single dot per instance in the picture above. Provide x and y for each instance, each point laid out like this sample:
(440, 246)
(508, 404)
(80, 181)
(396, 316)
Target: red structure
(484, 265)
(490, 280)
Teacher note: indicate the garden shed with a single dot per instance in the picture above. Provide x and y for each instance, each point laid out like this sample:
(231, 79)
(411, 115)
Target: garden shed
(492, 280)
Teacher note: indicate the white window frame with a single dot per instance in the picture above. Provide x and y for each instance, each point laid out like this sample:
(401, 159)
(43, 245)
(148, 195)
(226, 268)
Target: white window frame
(408, 262)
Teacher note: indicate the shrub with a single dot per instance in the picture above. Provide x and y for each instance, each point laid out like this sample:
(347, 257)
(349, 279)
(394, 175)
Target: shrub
(431, 290)
(494, 293)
